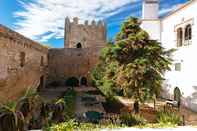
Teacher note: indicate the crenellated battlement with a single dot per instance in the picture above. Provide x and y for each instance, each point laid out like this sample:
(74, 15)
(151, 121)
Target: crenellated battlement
(92, 23)
(20, 39)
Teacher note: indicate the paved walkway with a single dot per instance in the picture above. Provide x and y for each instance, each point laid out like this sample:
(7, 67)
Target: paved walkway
(190, 116)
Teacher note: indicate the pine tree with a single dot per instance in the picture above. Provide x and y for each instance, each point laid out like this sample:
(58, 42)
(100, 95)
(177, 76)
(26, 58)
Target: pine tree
(142, 62)
(135, 63)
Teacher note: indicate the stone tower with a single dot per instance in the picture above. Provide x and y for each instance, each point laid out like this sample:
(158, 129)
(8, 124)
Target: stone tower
(84, 35)
(150, 18)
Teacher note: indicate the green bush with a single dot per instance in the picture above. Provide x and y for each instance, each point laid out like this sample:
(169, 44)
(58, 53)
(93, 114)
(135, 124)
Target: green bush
(167, 117)
(69, 99)
(132, 119)
(72, 125)
(66, 126)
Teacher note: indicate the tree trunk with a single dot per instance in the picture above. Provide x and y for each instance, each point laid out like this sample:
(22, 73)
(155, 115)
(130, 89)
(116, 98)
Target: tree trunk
(136, 107)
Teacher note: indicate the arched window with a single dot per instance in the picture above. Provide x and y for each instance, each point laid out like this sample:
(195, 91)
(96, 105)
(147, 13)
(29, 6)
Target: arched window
(79, 45)
(177, 95)
(179, 37)
(188, 32)
(22, 59)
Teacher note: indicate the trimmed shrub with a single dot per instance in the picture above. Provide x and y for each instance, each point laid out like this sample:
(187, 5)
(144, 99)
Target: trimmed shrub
(132, 119)
(167, 117)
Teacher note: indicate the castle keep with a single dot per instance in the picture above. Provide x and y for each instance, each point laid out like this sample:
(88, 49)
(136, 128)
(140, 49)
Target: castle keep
(27, 64)
(82, 45)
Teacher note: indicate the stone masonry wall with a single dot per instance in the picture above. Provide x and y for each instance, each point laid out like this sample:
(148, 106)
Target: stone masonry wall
(71, 62)
(22, 64)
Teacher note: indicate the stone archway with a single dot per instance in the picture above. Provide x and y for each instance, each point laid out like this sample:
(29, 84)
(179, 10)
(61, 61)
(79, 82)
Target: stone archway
(83, 81)
(177, 95)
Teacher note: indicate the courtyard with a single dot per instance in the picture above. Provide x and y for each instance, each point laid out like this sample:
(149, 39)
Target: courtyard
(147, 109)
(114, 68)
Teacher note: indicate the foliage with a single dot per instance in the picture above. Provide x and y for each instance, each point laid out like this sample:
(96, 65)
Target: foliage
(134, 64)
(69, 99)
(14, 112)
(102, 74)
(10, 118)
(132, 119)
(157, 125)
(59, 111)
(167, 117)
(72, 82)
(72, 125)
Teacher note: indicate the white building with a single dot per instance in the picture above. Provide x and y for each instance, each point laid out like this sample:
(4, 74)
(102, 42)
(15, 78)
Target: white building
(176, 30)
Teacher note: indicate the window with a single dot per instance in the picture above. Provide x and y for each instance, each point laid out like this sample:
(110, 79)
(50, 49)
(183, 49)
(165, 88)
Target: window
(42, 61)
(22, 59)
(178, 67)
(79, 45)
(188, 32)
(179, 37)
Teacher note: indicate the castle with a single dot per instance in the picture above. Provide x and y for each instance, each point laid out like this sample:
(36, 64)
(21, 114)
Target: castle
(27, 64)
(82, 45)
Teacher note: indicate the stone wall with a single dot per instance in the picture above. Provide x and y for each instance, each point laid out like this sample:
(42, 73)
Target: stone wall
(22, 64)
(71, 62)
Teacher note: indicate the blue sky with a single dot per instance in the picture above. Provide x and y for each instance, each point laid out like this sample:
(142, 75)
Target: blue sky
(43, 20)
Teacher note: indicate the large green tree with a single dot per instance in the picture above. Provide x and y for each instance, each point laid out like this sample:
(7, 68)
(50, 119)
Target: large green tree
(135, 63)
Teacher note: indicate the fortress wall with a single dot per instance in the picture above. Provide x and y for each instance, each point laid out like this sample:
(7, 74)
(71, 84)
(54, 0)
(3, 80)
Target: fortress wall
(69, 62)
(22, 63)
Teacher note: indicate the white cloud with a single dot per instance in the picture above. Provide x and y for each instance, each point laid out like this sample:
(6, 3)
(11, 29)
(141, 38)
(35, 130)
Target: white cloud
(44, 19)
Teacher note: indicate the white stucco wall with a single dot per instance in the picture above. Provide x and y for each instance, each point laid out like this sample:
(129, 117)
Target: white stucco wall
(153, 28)
(186, 79)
